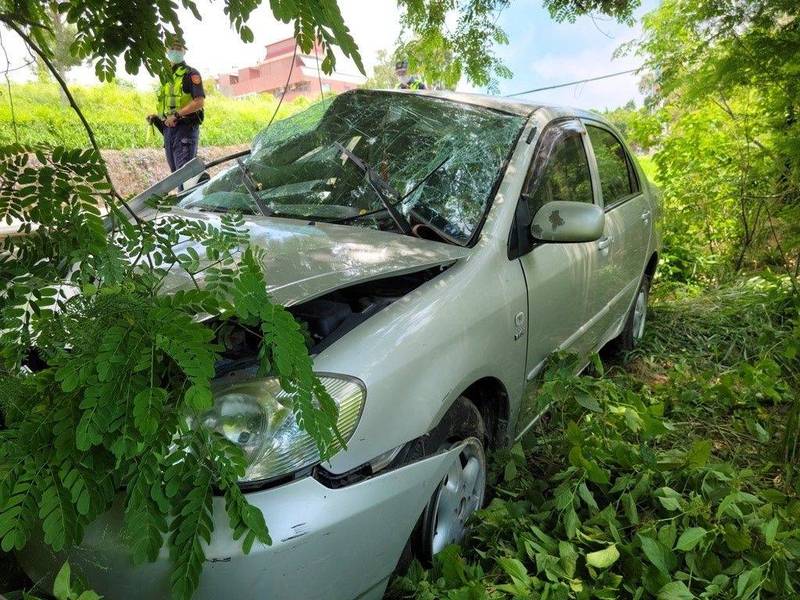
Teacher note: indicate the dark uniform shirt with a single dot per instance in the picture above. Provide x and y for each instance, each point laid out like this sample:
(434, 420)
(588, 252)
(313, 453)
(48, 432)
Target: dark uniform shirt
(181, 141)
(192, 85)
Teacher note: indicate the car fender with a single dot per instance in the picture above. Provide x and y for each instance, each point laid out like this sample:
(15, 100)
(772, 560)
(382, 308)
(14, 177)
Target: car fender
(418, 355)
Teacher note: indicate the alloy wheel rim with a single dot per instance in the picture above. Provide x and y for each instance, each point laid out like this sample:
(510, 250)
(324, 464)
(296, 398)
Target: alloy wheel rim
(639, 315)
(459, 495)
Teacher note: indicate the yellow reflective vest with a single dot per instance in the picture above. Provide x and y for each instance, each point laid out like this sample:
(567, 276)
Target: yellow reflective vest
(171, 96)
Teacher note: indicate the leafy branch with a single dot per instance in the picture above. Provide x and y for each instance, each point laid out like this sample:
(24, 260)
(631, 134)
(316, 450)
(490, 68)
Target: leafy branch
(65, 88)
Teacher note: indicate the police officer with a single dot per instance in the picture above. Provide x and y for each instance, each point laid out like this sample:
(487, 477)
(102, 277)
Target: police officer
(407, 82)
(180, 107)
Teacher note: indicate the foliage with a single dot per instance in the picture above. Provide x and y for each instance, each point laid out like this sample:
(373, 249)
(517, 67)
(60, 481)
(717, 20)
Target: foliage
(569, 10)
(121, 367)
(66, 587)
(62, 35)
(445, 40)
(724, 77)
(383, 73)
(664, 480)
(640, 127)
(437, 52)
(117, 111)
(103, 29)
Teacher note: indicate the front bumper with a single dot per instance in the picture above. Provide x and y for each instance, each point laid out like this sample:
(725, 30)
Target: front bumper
(327, 543)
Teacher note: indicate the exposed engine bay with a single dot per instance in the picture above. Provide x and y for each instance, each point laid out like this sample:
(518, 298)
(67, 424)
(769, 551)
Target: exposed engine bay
(325, 319)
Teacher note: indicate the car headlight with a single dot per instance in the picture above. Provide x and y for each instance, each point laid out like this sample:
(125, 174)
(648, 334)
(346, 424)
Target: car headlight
(257, 416)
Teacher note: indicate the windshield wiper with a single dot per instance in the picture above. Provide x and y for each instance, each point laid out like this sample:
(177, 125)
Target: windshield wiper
(381, 188)
(402, 198)
(252, 189)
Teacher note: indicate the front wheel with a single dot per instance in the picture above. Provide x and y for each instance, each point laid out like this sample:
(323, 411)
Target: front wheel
(461, 493)
(458, 497)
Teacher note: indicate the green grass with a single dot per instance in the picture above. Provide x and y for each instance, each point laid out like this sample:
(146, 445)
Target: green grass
(117, 114)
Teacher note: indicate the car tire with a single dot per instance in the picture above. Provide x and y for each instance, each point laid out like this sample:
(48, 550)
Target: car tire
(462, 491)
(636, 321)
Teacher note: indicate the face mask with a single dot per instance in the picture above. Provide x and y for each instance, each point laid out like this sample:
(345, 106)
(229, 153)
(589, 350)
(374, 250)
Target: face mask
(175, 56)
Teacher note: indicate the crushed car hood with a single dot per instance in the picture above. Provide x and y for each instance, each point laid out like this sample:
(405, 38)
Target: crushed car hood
(304, 261)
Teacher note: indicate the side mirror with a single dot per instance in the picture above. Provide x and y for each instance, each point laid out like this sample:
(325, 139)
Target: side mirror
(565, 221)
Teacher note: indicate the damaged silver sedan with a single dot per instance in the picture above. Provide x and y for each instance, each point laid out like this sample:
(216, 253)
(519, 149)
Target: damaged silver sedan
(437, 248)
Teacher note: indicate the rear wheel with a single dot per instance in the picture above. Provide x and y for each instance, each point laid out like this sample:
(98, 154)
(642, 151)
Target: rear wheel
(462, 490)
(633, 332)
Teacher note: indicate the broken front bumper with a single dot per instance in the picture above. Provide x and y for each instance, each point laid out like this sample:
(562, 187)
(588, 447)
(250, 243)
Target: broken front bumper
(327, 543)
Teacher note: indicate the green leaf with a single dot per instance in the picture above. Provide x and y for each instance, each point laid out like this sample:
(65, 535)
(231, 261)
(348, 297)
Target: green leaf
(770, 530)
(690, 538)
(56, 513)
(20, 509)
(510, 471)
(675, 590)
(571, 522)
(656, 554)
(596, 474)
(61, 585)
(587, 402)
(669, 503)
(737, 539)
(603, 559)
(147, 407)
(518, 452)
(699, 454)
(629, 506)
(587, 496)
(514, 569)
(568, 558)
(198, 397)
(748, 583)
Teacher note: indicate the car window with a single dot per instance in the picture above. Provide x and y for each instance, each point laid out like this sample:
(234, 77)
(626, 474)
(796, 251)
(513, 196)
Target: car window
(613, 166)
(442, 159)
(560, 170)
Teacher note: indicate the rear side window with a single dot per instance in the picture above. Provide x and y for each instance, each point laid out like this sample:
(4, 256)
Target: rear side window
(617, 179)
(560, 170)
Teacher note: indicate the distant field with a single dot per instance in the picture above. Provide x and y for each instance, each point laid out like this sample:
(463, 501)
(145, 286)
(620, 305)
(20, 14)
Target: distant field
(117, 114)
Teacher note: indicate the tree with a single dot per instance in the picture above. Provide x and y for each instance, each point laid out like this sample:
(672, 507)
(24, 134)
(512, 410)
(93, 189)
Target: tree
(641, 127)
(63, 34)
(725, 75)
(383, 73)
(103, 30)
(444, 53)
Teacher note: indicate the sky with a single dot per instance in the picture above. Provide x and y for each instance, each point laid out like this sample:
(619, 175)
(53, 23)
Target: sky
(541, 52)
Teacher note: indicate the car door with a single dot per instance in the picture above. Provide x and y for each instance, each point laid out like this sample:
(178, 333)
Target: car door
(558, 276)
(622, 251)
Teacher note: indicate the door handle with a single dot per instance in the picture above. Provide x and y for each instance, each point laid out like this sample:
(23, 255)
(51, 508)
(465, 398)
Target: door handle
(646, 216)
(604, 242)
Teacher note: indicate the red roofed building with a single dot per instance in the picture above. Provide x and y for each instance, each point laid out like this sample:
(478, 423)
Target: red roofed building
(270, 75)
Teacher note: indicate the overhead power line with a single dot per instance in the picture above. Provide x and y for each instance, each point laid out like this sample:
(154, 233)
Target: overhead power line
(560, 85)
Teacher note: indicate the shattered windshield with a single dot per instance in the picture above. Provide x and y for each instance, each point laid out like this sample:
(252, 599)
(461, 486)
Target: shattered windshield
(365, 157)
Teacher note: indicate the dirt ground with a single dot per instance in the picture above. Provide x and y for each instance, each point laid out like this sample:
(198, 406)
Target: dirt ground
(137, 169)
(134, 170)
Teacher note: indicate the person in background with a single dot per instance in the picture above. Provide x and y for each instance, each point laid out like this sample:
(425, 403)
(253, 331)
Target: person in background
(180, 107)
(407, 82)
